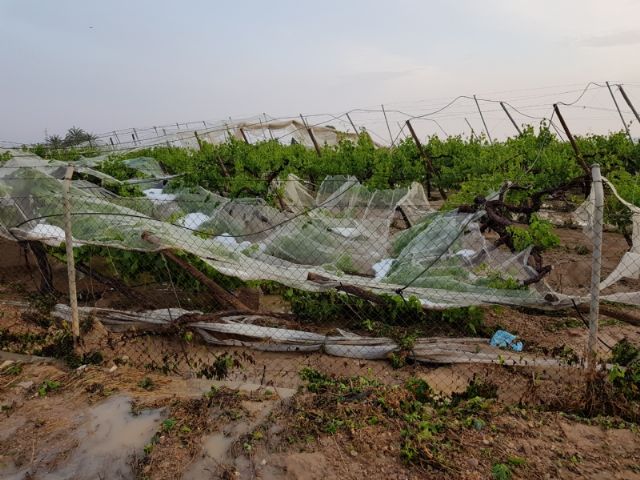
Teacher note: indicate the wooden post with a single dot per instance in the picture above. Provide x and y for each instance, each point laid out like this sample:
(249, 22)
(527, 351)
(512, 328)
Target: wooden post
(615, 102)
(504, 107)
(156, 130)
(572, 140)
(262, 128)
(628, 100)
(429, 164)
(313, 138)
(224, 297)
(195, 132)
(133, 138)
(353, 124)
(111, 140)
(244, 135)
(384, 112)
(71, 268)
(136, 134)
(116, 135)
(558, 132)
(486, 129)
(473, 132)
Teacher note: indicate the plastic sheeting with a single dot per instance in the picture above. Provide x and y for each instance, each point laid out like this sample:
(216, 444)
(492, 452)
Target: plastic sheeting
(243, 331)
(342, 232)
(629, 266)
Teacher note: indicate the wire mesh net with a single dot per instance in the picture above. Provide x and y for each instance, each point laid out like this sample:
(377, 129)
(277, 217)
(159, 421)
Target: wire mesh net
(335, 276)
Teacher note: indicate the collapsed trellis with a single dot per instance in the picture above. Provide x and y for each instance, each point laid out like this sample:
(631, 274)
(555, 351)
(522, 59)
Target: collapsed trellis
(343, 236)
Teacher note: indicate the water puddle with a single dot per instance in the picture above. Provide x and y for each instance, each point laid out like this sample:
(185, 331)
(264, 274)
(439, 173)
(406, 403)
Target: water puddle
(106, 441)
(215, 446)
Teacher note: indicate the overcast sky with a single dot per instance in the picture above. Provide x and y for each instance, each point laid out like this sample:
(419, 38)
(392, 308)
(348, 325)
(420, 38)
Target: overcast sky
(115, 64)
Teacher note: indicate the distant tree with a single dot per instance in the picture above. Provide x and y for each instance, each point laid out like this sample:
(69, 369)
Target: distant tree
(75, 136)
(54, 141)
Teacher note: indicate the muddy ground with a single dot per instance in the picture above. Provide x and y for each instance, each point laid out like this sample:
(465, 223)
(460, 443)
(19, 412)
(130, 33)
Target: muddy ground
(129, 423)
(123, 418)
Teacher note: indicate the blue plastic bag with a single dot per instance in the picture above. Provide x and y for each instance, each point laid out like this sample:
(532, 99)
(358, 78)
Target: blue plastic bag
(504, 339)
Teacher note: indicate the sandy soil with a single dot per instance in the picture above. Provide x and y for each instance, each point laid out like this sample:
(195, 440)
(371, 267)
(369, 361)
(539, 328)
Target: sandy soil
(103, 424)
(100, 421)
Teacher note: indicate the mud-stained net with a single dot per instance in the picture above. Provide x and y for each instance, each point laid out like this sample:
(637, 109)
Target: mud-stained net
(384, 241)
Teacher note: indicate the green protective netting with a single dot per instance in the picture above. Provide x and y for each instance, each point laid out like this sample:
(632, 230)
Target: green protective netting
(344, 232)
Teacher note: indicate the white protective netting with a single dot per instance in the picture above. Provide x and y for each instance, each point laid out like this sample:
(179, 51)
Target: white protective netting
(253, 130)
(344, 233)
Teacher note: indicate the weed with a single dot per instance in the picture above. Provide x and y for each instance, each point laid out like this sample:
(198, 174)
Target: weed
(501, 471)
(367, 325)
(624, 352)
(516, 461)
(221, 367)
(420, 389)
(582, 250)
(477, 388)
(148, 448)
(567, 354)
(13, 369)
(406, 342)
(168, 424)
(212, 392)
(146, 383)
(397, 360)
(48, 386)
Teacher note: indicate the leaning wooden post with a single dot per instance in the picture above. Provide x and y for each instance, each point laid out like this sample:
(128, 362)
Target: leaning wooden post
(353, 125)
(424, 156)
(572, 140)
(386, 121)
(615, 102)
(430, 168)
(313, 137)
(598, 212)
(515, 125)
(244, 135)
(71, 268)
(486, 129)
(473, 132)
(628, 100)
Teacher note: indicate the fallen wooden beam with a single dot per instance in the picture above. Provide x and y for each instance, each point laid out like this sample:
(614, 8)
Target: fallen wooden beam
(608, 311)
(224, 297)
